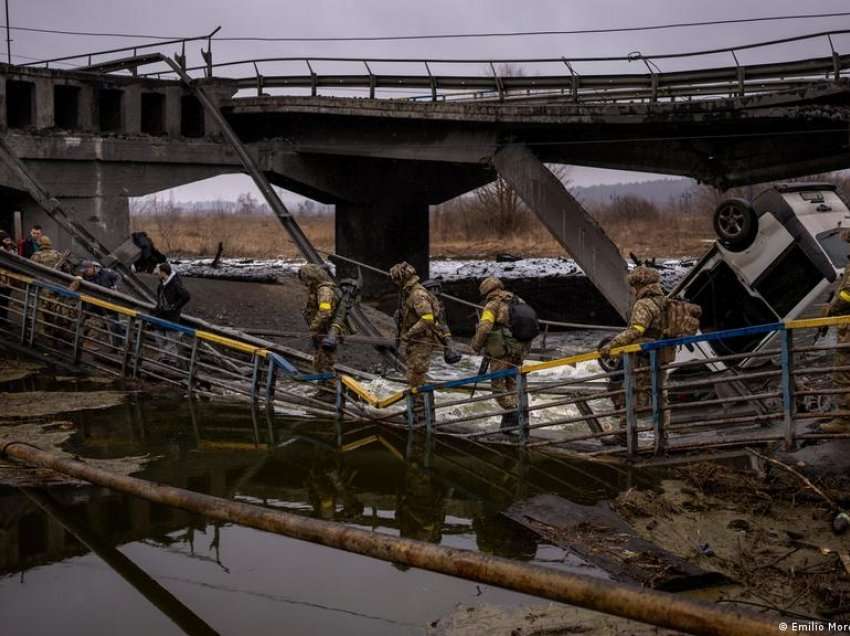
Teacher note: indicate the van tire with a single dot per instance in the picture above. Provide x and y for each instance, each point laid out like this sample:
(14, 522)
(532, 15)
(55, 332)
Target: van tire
(609, 365)
(736, 224)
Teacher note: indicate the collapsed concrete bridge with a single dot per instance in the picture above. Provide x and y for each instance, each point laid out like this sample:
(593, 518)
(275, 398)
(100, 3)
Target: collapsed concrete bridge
(93, 137)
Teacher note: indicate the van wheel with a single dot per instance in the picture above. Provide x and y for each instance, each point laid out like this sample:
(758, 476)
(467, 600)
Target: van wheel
(609, 365)
(736, 224)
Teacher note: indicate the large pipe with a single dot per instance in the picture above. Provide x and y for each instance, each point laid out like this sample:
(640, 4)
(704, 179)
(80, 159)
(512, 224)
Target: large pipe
(655, 608)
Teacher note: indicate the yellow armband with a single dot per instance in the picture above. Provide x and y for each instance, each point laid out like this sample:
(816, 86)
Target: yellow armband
(639, 328)
(324, 306)
(428, 317)
(844, 295)
(488, 316)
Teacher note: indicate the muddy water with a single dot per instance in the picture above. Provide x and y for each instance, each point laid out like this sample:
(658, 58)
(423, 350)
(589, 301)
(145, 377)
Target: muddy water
(239, 580)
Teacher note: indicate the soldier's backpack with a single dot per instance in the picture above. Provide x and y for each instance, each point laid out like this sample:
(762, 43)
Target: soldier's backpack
(524, 325)
(681, 318)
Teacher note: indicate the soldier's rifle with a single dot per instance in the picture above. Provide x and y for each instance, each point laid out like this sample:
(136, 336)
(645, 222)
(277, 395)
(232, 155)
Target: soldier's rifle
(64, 257)
(349, 296)
(482, 369)
(822, 331)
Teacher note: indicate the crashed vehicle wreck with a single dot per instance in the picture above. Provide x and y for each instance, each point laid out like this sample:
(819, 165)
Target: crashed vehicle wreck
(775, 259)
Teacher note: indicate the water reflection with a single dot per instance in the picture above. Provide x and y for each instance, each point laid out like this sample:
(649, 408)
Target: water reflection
(141, 581)
(376, 477)
(438, 490)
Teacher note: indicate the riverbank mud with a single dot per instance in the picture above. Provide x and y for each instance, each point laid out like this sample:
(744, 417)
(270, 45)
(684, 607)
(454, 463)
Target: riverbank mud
(770, 535)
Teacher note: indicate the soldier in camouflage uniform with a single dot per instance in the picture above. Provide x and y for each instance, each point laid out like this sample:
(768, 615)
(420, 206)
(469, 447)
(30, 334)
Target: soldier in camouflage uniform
(418, 329)
(645, 325)
(434, 287)
(840, 306)
(421, 504)
(318, 314)
(6, 284)
(493, 335)
(46, 255)
(51, 307)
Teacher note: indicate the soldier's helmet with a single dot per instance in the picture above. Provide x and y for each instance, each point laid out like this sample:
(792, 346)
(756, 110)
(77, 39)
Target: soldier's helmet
(845, 235)
(44, 242)
(312, 274)
(400, 273)
(433, 285)
(641, 276)
(489, 284)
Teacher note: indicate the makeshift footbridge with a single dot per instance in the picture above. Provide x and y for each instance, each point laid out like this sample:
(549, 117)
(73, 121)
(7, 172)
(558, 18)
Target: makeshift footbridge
(566, 405)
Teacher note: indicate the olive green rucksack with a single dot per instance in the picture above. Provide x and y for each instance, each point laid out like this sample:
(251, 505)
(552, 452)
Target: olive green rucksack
(681, 318)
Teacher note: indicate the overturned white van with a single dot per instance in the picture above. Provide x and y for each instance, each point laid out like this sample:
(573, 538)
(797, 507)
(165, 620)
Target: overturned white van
(774, 258)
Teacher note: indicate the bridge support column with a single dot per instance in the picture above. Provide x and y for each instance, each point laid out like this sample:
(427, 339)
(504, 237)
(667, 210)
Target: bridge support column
(107, 217)
(382, 234)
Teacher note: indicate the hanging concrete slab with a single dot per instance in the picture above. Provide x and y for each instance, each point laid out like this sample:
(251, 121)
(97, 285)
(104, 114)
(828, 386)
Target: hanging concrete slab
(568, 221)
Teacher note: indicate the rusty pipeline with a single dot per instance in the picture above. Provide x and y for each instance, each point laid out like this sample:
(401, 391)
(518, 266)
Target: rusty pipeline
(646, 606)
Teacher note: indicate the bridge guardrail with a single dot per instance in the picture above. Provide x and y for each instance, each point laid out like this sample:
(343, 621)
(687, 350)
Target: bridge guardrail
(790, 385)
(735, 79)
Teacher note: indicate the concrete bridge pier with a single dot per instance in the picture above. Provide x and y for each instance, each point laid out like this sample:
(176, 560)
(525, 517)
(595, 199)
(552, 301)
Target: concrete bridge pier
(382, 234)
(107, 217)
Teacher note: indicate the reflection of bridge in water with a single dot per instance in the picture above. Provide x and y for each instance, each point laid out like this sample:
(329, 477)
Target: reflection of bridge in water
(381, 479)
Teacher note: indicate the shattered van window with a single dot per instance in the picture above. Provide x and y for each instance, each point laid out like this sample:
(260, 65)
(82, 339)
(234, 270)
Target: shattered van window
(726, 304)
(788, 280)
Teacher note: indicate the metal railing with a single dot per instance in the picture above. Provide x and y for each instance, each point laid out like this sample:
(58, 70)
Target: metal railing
(78, 328)
(734, 80)
(569, 84)
(131, 57)
(653, 405)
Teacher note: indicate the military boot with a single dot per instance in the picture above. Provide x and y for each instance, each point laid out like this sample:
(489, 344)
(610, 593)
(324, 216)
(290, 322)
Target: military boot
(509, 424)
(615, 439)
(836, 425)
(618, 439)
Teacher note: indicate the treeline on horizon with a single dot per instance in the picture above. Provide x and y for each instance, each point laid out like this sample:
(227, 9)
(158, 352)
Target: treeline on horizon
(485, 222)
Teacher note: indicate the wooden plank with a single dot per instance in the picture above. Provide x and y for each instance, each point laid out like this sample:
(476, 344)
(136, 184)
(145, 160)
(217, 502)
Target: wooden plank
(600, 536)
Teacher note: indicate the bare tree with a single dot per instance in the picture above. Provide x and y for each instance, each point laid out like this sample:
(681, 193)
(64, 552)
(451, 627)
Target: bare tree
(502, 204)
(247, 204)
(160, 215)
(504, 209)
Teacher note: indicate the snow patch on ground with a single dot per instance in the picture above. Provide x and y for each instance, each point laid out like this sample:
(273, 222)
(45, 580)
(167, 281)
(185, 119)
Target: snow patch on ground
(448, 270)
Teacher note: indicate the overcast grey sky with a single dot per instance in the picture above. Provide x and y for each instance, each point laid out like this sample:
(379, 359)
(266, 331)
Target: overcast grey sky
(318, 18)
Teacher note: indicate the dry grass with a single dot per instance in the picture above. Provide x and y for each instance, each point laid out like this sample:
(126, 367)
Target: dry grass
(254, 235)
(672, 238)
(488, 221)
(259, 235)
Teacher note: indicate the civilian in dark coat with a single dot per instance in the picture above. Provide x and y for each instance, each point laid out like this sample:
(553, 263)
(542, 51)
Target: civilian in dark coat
(171, 295)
